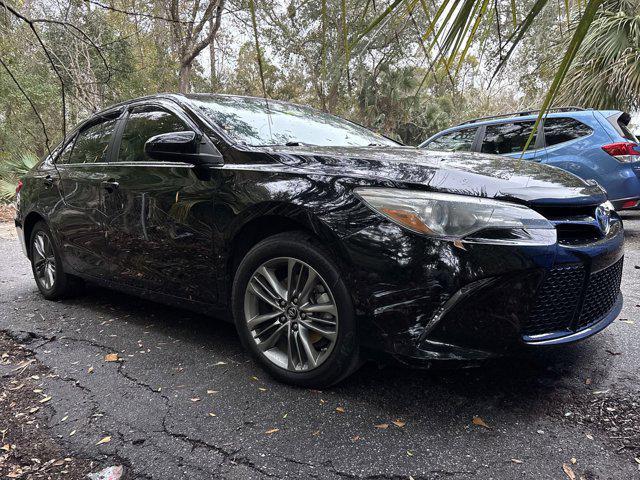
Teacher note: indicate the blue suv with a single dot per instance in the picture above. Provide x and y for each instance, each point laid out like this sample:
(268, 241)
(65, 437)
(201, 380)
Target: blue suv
(595, 145)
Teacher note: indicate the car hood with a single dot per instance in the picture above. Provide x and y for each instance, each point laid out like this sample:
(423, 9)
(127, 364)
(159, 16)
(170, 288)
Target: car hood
(474, 174)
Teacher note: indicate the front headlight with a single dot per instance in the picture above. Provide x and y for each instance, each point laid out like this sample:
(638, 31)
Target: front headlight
(459, 217)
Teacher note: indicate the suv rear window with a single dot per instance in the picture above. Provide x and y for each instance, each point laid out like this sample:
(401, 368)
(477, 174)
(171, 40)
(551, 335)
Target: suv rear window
(458, 141)
(559, 130)
(507, 138)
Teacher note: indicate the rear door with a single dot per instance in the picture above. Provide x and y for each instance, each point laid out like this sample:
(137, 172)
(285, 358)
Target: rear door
(510, 138)
(462, 140)
(79, 216)
(159, 215)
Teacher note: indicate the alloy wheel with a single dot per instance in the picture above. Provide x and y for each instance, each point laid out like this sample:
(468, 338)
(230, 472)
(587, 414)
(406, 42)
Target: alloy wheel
(44, 260)
(291, 314)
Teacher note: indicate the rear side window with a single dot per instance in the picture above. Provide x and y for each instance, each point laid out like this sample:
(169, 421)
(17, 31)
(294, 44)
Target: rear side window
(507, 138)
(142, 124)
(65, 154)
(626, 133)
(91, 144)
(559, 130)
(458, 141)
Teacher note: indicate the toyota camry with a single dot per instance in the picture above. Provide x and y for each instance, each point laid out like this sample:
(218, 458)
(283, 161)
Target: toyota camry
(328, 243)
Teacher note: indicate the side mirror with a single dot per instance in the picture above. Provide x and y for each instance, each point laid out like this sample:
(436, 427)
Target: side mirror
(183, 147)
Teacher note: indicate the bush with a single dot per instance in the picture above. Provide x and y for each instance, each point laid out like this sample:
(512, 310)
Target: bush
(11, 169)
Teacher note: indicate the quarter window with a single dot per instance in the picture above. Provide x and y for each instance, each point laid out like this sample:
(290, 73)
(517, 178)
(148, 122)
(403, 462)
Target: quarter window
(142, 124)
(458, 141)
(506, 138)
(559, 130)
(91, 144)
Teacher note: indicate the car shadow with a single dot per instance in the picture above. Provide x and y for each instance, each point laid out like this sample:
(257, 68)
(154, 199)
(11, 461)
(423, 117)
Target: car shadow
(529, 381)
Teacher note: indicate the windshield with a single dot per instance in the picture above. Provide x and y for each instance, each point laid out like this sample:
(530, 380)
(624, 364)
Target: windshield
(260, 122)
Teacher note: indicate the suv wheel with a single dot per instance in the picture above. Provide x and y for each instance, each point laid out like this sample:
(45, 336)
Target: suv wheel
(294, 313)
(50, 278)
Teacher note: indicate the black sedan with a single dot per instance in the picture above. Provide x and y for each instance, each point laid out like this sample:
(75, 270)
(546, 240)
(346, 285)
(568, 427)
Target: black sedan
(329, 243)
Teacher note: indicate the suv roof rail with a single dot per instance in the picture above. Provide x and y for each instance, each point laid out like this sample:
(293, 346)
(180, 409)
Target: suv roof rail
(522, 114)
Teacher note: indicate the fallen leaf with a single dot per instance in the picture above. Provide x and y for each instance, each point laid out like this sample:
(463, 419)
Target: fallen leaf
(15, 473)
(399, 423)
(64, 419)
(262, 389)
(316, 433)
(479, 422)
(568, 471)
(589, 436)
(73, 432)
(409, 453)
(628, 322)
(340, 409)
(382, 426)
(574, 460)
(211, 392)
(195, 399)
(45, 399)
(34, 409)
(254, 378)
(587, 381)
(515, 460)
(356, 438)
(273, 430)
(219, 363)
(6, 447)
(111, 357)
(211, 414)
(106, 439)
(90, 370)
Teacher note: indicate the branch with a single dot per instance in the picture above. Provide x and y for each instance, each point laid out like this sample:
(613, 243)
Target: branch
(136, 14)
(35, 110)
(53, 65)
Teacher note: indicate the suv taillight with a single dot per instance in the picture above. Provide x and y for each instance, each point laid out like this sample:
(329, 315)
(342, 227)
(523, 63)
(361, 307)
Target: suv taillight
(623, 151)
(19, 186)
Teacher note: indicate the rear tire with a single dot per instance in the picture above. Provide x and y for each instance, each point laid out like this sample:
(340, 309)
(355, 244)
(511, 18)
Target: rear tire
(294, 313)
(46, 265)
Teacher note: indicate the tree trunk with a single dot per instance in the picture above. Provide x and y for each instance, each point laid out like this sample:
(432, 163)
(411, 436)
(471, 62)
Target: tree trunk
(185, 77)
(212, 59)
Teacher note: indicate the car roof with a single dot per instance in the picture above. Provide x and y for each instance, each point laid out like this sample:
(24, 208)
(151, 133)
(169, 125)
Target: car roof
(516, 117)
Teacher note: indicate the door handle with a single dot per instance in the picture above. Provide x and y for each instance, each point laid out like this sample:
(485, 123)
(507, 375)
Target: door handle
(110, 185)
(48, 181)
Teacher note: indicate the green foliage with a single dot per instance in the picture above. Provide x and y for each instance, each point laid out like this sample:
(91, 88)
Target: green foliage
(13, 168)
(606, 73)
(407, 68)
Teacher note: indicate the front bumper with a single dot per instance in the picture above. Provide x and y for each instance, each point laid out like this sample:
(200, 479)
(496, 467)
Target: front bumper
(422, 299)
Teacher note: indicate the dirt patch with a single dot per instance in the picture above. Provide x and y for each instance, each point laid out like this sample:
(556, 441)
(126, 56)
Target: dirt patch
(614, 414)
(27, 449)
(7, 212)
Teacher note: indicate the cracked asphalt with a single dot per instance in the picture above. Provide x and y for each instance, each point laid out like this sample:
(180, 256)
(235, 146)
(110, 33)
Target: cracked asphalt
(185, 402)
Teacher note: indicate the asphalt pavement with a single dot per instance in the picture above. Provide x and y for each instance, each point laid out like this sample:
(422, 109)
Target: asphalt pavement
(183, 401)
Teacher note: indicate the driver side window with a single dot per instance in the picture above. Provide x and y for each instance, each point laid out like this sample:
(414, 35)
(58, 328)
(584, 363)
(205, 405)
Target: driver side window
(142, 124)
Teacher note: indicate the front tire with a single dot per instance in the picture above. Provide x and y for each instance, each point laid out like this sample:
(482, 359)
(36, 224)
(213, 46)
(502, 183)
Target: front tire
(294, 313)
(46, 265)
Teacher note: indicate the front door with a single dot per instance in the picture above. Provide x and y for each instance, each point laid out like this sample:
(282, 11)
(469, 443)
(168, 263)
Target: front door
(159, 215)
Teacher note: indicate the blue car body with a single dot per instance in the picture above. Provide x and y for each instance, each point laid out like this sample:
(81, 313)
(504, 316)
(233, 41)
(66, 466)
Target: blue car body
(595, 145)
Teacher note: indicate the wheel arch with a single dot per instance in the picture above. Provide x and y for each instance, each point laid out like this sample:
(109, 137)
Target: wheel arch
(29, 222)
(279, 219)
